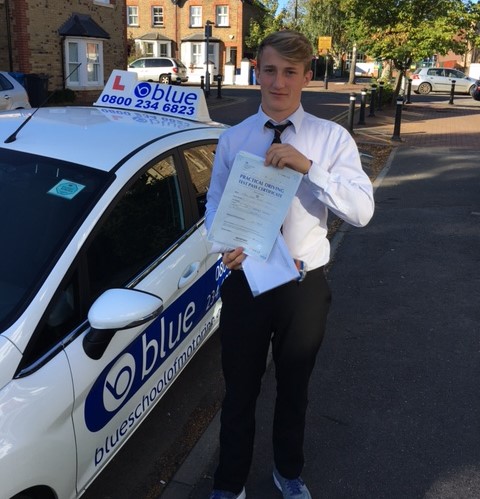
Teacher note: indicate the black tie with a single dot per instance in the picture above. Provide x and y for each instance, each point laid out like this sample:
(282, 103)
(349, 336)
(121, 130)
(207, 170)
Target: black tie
(277, 129)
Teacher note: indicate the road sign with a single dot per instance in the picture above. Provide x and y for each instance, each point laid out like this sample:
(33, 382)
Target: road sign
(324, 43)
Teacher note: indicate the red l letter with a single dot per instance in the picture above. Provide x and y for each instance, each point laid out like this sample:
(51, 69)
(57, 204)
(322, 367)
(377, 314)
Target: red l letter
(116, 83)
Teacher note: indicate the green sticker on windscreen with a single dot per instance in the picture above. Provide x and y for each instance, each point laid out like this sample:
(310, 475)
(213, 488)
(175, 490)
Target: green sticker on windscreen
(66, 189)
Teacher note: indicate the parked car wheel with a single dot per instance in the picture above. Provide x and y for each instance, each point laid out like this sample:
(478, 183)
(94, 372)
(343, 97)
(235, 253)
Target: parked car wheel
(424, 88)
(475, 91)
(165, 79)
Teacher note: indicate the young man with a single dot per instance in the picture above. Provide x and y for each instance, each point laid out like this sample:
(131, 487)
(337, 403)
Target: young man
(291, 317)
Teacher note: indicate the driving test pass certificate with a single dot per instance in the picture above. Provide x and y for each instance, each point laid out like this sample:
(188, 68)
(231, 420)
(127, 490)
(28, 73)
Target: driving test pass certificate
(253, 206)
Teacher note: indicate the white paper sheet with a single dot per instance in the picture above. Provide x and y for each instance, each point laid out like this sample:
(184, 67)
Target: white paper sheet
(253, 206)
(277, 270)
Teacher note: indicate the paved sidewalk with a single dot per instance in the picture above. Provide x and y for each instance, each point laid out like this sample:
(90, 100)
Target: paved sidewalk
(395, 404)
(436, 124)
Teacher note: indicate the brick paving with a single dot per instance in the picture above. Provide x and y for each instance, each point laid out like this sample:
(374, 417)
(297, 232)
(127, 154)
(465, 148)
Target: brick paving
(426, 124)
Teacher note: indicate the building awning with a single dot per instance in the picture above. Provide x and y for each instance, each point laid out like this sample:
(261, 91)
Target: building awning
(154, 36)
(82, 25)
(200, 38)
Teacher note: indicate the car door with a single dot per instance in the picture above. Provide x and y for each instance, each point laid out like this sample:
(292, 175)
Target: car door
(436, 77)
(462, 84)
(154, 239)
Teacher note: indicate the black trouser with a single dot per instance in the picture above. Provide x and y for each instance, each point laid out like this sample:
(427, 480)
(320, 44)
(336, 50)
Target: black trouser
(293, 318)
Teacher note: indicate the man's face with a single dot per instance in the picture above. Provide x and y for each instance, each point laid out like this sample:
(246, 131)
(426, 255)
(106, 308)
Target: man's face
(281, 84)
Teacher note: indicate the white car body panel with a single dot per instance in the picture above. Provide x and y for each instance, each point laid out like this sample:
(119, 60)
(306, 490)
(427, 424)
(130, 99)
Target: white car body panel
(9, 358)
(26, 409)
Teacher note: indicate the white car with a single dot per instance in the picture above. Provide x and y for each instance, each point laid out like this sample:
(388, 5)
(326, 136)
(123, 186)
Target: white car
(162, 69)
(107, 286)
(426, 80)
(12, 94)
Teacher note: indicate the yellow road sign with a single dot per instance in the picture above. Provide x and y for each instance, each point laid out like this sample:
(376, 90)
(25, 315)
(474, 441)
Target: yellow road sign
(324, 43)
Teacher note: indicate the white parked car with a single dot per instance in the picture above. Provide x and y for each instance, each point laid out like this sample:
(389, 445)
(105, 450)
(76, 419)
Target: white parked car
(162, 69)
(107, 286)
(12, 94)
(426, 80)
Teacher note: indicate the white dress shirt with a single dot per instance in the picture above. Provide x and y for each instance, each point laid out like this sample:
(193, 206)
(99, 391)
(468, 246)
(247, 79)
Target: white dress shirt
(335, 181)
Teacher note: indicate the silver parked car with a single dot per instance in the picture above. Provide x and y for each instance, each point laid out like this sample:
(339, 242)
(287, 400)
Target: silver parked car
(162, 69)
(426, 80)
(12, 94)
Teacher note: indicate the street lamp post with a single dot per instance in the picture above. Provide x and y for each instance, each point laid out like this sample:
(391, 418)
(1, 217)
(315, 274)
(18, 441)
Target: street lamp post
(208, 34)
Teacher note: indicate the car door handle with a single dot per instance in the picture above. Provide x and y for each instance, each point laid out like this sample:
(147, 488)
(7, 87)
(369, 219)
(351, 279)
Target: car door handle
(189, 274)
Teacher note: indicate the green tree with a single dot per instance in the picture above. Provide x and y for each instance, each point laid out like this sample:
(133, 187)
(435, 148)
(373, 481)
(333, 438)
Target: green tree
(269, 22)
(315, 18)
(406, 31)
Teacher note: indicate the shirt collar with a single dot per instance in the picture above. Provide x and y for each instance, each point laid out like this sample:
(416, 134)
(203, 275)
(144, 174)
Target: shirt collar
(296, 118)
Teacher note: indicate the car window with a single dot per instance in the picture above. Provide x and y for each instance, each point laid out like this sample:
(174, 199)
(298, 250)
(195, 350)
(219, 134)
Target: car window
(453, 73)
(5, 84)
(180, 64)
(145, 221)
(140, 63)
(199, 161)
(42, 200)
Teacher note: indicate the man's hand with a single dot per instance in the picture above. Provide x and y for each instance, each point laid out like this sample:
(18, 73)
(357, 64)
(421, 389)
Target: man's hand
(233, 259)
(282, 155)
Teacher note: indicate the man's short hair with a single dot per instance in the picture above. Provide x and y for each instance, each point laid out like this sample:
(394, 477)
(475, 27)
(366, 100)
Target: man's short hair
(291, 45)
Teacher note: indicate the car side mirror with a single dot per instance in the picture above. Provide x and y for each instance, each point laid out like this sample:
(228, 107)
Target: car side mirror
(114, 310)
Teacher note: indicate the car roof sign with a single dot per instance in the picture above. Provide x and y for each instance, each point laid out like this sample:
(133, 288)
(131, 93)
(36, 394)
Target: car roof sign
(124, 91)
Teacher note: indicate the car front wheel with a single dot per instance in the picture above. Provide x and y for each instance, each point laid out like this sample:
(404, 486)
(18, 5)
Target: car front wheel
(424, 88)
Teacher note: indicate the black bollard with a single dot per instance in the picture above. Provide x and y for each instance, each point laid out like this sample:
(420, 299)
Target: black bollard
(351, 111)
(380, 95)
(202, 82)
(363, 102)
(219, 86)
(398, 119)
(452, 92)
(409, 91)
(373, 96)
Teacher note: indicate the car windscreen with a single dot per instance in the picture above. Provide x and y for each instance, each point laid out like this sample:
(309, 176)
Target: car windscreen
(42, 201)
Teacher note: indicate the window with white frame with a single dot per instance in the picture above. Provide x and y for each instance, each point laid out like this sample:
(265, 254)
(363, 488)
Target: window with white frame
(197, 54)
(84, 62)
(163, 49)
(222, 15)
(148, 49)
(132, 15)
(196, 16)
(157, 17)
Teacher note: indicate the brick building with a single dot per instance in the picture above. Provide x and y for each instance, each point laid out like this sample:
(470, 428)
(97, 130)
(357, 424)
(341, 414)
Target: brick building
(81, 39)
(176, 28)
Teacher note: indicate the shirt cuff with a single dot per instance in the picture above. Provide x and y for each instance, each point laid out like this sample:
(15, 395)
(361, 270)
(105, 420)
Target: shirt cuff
(318, 176)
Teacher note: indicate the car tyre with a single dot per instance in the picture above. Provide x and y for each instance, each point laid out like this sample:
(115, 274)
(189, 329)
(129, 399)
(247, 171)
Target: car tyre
(424, 88)
(165, 79)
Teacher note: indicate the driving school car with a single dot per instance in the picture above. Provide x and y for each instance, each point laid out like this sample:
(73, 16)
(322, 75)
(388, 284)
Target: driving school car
(107, 287)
